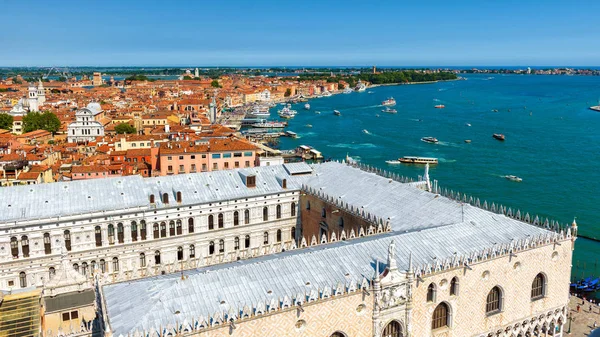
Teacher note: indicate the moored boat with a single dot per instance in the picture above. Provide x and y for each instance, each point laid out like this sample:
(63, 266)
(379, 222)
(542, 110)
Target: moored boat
(273, 125)
(418, 160)
(431, 140)
(393, 162)
(498, 136)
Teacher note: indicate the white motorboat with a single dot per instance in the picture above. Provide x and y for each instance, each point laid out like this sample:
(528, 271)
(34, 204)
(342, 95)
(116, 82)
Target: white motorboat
(260, 111)
(513, 178)
(306, 106)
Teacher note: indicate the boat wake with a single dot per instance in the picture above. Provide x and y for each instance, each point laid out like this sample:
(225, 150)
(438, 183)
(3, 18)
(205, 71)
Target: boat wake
(354, 146)
(444, 160)
(436, 100)
(415, 120)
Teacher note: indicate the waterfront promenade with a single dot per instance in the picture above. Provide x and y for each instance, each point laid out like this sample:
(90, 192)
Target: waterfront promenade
(583, 321)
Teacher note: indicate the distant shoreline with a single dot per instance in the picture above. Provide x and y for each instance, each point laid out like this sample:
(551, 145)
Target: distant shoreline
(411, 83)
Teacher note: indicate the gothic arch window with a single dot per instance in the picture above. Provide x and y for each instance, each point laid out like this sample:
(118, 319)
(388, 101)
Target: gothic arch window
(84, 268)
(220, 220)
(47, 243)
(265, 213)
(278, 211)
(134, 231)
(115, 262)
(102, 266)
(293, 209)
(14, 246)
(293, 233)
(211, 248)
(163, 230)
(440, 316)
(278, 236)
(431, 292)
(338, 334)
(190, 225)
(538, 287)
(179, 253)
(171, 228)
(494, 301)
(67, 237)
(111, 234)
(143, 230)
(211, 222)
(192, 251)
(236, 243)
(142, 260)
(157, 257)
(393, 329)
(221, 246)
(25, 245)
(246, 217)
(236, 218)
(266, 238)
(120, 232)
(23, 280)
(179, 227)
(98, 236)
(454, 286)
(247, 241)
(156, 232)
(51, 273)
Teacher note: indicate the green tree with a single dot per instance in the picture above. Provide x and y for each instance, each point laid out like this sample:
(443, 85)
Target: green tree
(125, 128)
(6, 121)
(215, 84)
(341, 86)
(288, 92)
(187, 78)
(41, 121)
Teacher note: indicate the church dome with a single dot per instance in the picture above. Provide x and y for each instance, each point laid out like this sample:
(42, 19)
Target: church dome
(94, 107)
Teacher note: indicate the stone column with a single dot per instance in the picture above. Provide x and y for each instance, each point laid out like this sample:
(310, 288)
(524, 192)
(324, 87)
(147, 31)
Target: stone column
(127, 232)
(104, 231)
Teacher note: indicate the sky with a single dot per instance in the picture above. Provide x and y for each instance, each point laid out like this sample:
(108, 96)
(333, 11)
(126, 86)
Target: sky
(299, 33)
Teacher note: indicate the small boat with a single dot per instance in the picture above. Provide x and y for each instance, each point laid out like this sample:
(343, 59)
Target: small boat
(467, 141)
(393, 162)
(306, 106)
(468, 124)
(513, 178)
(376, 115)
(389, 102)
(318, 112)
(389, 110)
(365, 131)
(308, 125)
(370, 92)
(495, 110)
(498, 136)
(347, 91)
(431, 140)
(337, 113)
(326, 94)
(439, 106)
(273, 125)
(360, 87)
(286, 112)
(418, 160)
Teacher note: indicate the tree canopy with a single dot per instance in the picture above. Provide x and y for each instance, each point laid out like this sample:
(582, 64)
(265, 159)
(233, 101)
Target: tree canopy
(6, 121)
(41, 121)
(215, 84)
(125, 128)
(288, 92)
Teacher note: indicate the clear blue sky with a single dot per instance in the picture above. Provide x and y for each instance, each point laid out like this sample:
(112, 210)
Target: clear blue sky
(300, 32)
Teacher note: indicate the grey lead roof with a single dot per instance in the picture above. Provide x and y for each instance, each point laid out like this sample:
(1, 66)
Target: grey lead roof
(427, 225)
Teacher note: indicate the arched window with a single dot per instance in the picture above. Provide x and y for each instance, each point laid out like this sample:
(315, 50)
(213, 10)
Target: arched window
(47, 243)
(211, 248)
(165, 198)
(220, 219)
(179, 227)
(163, 230)
(236, 243)
(14, 247)
(171, 228)
(115, 264)
(120, 232)
(338, 334)
(323, 212)
(278, 212)
(190, 225)
(142, 260)
(293, 233)
(247, 241)
(236, 218)
(98, 236)
(157, 257)
(67, 240)
(211, 222)
(431, 292)
(156, 232)
(538, 287)
(151, 198)
(341, 223)
(134, 231)
(23, 280)
(143, 230)
(454, 286)
(308, 205)
(221, 246)
(278, 236)
(111, 234)
(265, 213)
(393, 329)
(84, 268)
(440, 316)
(494, 301)
(192, 251)
(266, 238)
(178, 196)
(25, 245)
(102, 266)
(293, 209)
(246, 217)
(51, 273)
(179, 253)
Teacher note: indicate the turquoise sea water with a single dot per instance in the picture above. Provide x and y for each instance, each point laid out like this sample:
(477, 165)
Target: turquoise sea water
(552, 141)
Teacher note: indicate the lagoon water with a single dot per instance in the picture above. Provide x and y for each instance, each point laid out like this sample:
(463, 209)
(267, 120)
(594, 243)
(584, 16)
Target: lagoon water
(552, 141)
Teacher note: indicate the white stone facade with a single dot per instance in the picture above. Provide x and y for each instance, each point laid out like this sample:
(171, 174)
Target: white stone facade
(86, 127)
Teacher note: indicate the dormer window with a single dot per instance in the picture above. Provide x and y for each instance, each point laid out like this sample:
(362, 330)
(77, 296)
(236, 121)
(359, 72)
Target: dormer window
(251, 181)
(284, 183)
(151, 198)
(165, 198)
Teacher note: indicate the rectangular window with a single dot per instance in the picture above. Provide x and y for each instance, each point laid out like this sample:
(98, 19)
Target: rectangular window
(181, 169)
(248, 154)
(193, 167)
(226, 155)
(237, 164)
(204, 167)
(180, 157)
(204, 156)
(170, 168)
(193, 156)
(237, 154)
(247, 164)
(226, 165)
(169, 158)
(216, 156)
(215, 166)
